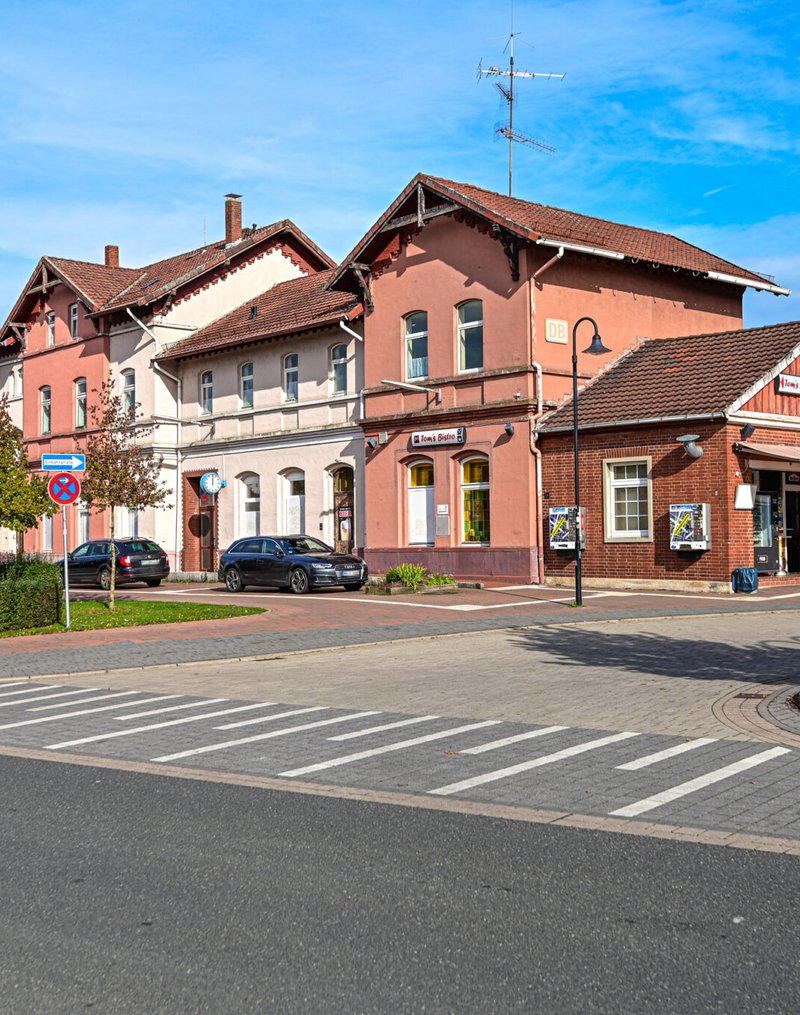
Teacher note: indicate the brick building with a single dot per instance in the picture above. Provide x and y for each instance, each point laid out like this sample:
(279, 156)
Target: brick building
(737, 395)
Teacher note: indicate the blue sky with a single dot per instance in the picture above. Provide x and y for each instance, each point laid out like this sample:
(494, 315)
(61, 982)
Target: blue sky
(127, 122)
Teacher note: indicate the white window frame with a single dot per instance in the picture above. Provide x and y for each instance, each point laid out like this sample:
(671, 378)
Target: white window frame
(81, 405)
(291, 375)
(74, 321)
(84, 522)
(289, 477)
(47, 534)
(611, 485)
(338, 358)
(45, 402)
(51, 327)
(473, 486)
(247, 484)
(429, 496)
(408, 338)
(129, 391)
(247, 384)
(461, 328)
(206, 381)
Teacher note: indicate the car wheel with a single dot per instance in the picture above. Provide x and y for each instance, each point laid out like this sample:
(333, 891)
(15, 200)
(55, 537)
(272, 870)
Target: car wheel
(104, 579)
(233, 581)
(353, 586)
(154, 583)
(298, 581)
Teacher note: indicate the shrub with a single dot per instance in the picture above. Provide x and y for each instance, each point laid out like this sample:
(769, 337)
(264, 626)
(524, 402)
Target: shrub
(410, 575)
(31, 564)
(441, 579)
(31, 600)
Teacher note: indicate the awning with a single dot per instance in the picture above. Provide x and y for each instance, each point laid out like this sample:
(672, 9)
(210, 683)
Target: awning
(781, 452)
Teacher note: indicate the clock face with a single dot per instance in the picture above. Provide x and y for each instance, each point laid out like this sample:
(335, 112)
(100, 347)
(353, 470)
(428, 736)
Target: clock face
(211, 483)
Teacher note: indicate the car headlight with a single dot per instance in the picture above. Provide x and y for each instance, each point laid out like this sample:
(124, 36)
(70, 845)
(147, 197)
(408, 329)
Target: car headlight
(322, 567)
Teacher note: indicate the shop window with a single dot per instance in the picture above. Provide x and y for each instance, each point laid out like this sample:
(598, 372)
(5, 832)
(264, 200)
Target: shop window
(246, 385)
(627, 499)
(129, 392)
(291, 377)
(250, 505)
(416, 340)
(73, 320)
(45, 407)
(420, 504)
(80, 403)
(51, 328)
(339, 370)
(470, 336)
(475, 500)
(207, 392)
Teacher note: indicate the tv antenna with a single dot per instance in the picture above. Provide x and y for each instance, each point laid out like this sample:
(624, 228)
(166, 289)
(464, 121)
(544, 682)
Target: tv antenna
(506, 130)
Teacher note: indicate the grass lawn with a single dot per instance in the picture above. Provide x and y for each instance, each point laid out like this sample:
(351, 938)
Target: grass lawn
(93, 615)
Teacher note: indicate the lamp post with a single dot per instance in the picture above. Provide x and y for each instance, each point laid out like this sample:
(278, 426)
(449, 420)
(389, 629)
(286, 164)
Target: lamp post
(596, 348)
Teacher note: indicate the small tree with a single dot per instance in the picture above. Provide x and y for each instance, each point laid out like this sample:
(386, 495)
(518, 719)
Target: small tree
(23, 494)
(119, 471)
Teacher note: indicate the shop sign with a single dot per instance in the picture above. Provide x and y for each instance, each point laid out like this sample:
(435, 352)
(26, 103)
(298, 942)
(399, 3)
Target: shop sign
(793, 477)
(787, 384)
(437, 438)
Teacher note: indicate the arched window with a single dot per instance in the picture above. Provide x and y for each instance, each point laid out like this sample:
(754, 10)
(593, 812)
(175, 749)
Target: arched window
(80, 403)
(470, 336)
(475, 500)
(420, 504)
(416, 340)
(129, 392)
(207, 392)
(249, 504)
(339, 369)
(291, 373)
(294, 504)
(246, 385)
(45, 407)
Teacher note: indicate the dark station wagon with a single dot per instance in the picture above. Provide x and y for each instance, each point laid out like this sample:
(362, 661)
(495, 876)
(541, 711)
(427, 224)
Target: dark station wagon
(300, 563)
(138, 560)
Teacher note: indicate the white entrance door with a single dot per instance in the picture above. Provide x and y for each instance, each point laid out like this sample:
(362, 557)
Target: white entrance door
(295, 506)
(420, 514)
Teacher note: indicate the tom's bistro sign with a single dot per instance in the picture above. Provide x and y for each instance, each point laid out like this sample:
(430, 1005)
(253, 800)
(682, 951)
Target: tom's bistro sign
(787, 384)
(437, 438)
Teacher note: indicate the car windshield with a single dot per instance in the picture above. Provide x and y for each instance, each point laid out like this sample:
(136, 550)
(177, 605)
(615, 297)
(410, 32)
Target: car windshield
(305, 544)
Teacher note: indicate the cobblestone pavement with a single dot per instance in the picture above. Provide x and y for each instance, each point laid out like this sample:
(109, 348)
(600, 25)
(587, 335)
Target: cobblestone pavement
(721, 785)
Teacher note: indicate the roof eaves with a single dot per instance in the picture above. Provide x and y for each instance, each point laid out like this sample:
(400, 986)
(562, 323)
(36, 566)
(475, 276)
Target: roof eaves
(635, 421)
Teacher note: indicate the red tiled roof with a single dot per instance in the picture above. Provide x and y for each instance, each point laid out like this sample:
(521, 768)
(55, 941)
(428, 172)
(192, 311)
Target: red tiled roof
(288, 307)
(679, 378)
(97, 282)
(534, 222)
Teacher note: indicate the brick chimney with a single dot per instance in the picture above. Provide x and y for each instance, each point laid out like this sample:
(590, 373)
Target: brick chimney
(233, 217)
(112, 256)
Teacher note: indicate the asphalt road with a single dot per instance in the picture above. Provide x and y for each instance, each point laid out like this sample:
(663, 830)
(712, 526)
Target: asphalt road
(123, 892)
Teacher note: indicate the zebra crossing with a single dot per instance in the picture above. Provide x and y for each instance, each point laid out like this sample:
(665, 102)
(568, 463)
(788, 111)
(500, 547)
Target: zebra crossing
(707, 782)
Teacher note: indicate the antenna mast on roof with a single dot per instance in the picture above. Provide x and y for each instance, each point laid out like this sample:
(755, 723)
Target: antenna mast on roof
(507, 129)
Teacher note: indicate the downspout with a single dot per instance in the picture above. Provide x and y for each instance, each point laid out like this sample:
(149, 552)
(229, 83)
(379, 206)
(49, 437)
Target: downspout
(534, 447)
(179, 460)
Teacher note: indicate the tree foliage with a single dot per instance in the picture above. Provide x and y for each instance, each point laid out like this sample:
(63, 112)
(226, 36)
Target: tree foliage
(23, 494)
(120, 472)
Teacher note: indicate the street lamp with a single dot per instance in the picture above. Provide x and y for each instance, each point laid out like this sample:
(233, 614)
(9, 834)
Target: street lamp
(595, 349)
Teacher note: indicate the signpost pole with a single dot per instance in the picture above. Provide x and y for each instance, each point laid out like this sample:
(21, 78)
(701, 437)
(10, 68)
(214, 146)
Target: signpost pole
(66, 563)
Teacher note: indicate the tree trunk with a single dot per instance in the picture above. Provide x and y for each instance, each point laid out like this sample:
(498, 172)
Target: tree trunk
(111, 601)
(20, 546)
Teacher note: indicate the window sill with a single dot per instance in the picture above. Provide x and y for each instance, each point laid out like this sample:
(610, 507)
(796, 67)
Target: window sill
(628, 539)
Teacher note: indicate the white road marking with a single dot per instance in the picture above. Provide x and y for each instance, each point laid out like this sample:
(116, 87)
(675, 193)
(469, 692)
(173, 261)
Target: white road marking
(388, 748)
(670, 752)
(525, 766)
(156, 725)
(269, 718)
(264, 736)
(29, 688)
(45, 697)
(386, 726)
(83, 701)
(88, 711)
(170, 708)
(494, 744)
(668, 795)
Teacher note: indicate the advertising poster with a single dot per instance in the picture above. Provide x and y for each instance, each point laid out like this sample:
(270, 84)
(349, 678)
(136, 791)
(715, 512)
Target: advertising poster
(689, 527)
(562, 528)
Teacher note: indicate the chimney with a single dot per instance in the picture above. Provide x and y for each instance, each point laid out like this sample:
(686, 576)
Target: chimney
(233, 218)
(112, 256)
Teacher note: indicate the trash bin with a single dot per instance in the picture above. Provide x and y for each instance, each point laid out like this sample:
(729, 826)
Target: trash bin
(744, 579)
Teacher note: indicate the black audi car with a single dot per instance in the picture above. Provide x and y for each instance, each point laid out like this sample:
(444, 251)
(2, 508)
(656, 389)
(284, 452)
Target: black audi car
(138, 560)
(300, 563)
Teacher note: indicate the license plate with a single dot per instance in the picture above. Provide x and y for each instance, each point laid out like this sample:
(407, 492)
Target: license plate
(352, 571)
(149, 563)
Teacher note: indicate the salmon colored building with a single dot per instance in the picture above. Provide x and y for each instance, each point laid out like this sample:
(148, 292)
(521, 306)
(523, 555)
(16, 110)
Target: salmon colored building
(470, 301)
(689, 453)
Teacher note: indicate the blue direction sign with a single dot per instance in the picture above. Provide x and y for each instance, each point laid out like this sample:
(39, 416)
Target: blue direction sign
(58, 463)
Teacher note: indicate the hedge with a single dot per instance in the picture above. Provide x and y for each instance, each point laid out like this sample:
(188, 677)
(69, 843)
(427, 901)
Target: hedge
(32, 600)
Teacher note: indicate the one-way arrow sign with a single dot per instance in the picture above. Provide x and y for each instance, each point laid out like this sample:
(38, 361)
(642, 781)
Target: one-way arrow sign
(58, 463)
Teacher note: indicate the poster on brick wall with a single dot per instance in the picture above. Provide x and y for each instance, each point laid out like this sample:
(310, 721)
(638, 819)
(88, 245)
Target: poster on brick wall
(562, 528)
(689, 526)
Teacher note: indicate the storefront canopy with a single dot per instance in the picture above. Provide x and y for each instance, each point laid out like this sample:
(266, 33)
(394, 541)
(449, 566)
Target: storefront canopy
(781, 452)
